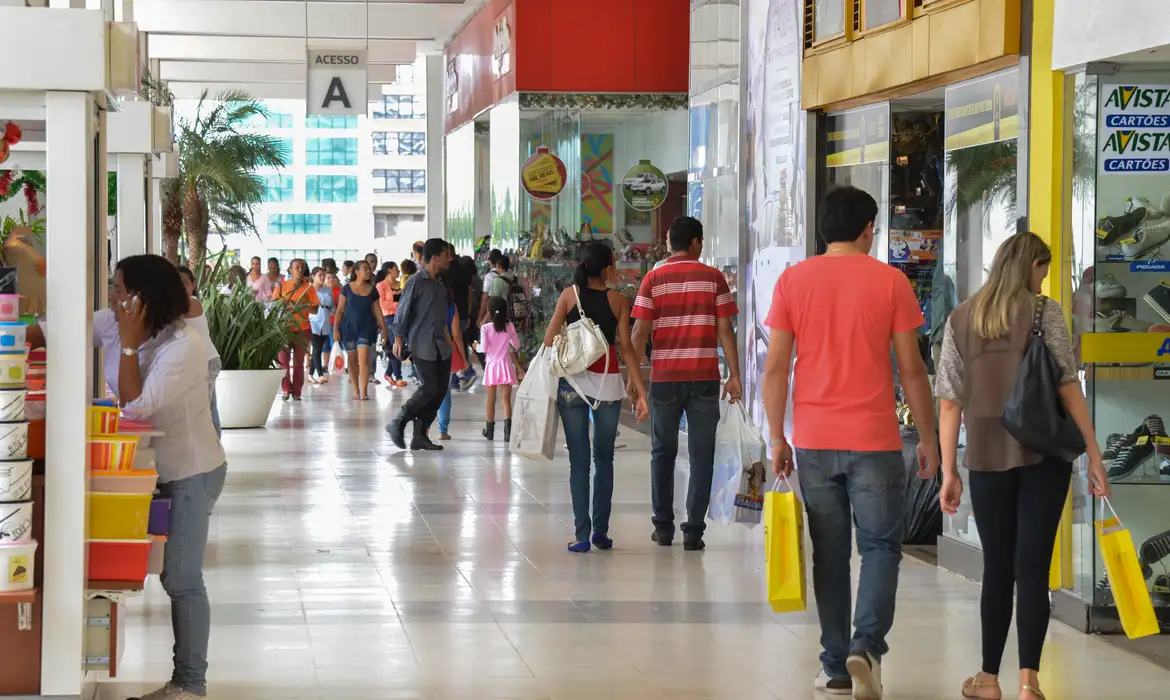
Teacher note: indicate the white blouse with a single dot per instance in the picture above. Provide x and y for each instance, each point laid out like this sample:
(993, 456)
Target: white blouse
(174, 397)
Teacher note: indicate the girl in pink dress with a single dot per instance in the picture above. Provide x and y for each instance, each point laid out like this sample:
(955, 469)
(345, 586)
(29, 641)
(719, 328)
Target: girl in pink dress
(498, 342)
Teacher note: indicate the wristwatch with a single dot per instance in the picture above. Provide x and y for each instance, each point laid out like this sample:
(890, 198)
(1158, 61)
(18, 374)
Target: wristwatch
(130, 352)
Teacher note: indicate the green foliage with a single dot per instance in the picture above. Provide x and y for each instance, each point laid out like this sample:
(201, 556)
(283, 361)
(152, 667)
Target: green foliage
(982, 174)
(247, 334)
(37, 226)
(156, 91)
(112, 194)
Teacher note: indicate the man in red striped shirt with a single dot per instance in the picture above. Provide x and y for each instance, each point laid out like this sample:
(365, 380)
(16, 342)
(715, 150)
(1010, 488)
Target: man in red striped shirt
(686, 309)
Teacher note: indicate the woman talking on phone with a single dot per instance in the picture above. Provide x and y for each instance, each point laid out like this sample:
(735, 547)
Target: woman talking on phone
(156, 365)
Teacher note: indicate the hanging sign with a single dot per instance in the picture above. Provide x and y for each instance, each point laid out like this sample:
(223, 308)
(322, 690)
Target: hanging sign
(858, 136)
(1134, 133)
(337, 82)
(543, 175)
(644, 187)
(984, 110)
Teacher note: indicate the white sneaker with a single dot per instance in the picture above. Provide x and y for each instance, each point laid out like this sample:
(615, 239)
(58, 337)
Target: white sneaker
(1152, 212)
(1107, 287)
(866, 673)
(1145, 239)
(829, 686)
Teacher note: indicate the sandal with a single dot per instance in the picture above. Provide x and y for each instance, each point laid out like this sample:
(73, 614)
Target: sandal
(972, 686)
(1034, 691)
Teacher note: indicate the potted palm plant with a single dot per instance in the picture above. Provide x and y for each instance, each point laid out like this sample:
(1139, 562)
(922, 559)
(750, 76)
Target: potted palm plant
(249, 336)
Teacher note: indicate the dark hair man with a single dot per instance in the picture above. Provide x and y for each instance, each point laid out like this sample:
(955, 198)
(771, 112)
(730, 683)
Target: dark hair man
(493, 272)
(421, 325)
(688, 309)
(842, 311)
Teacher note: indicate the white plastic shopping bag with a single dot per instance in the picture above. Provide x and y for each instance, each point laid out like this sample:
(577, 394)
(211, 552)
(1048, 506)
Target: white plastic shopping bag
(534, 422)
(737, 489)
(337, 359)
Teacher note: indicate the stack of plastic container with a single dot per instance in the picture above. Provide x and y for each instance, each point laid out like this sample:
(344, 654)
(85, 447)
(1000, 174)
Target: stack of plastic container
(119, 503)
(17, 546)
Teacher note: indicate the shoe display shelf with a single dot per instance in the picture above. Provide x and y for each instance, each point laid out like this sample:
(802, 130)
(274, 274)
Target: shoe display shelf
(1121, 317)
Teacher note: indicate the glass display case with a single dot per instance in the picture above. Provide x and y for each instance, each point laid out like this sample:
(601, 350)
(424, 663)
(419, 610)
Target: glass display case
(1118, 263)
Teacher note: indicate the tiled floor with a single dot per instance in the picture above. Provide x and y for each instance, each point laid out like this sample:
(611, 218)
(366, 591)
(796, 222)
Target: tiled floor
(343, 569)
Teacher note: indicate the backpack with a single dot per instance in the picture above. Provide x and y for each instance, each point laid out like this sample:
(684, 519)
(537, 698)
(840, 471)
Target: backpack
(519, 310)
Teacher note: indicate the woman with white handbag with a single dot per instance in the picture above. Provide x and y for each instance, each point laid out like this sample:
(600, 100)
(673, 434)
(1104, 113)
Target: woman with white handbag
(588, 326)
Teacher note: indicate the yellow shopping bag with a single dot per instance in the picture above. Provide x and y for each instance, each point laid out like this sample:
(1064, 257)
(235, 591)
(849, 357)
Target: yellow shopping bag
(784, 549)
(1125, 576)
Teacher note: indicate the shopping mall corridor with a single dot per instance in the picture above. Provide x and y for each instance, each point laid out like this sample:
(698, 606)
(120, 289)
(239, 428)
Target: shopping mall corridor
(343, 569)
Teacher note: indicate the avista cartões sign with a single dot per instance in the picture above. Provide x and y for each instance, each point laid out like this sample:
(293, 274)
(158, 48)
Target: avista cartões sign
(1133, 134)
(1123, 97)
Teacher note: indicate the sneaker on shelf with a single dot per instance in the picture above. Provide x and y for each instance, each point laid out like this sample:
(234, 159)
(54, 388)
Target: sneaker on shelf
(1131, 455)
(1132, 204)
(1118, 322)
(1107, 287)
(1146, 239)
(1161, 591)
(1112, 443)
(1111, 229)
(1152, 551)
(1159, 299)
(1105, 591)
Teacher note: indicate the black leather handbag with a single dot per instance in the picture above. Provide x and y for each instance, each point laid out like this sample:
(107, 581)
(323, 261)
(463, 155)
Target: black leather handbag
(1034, 413)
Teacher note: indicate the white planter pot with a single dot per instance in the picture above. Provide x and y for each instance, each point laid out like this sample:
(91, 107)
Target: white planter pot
(246, 396)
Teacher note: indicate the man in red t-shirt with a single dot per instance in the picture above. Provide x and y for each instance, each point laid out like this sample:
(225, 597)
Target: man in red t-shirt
(688, 309)
(843, 310)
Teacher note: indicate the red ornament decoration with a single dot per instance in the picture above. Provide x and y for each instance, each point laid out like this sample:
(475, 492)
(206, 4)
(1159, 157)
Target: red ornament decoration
(30, 196)
(5, 182)
(11, 136)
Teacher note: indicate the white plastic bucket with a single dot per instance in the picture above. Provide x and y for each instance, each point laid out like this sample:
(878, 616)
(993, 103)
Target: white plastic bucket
(16, 480)
(16, 521)
(16, 566)
(14, 440)
(12, 369)
(12, 404)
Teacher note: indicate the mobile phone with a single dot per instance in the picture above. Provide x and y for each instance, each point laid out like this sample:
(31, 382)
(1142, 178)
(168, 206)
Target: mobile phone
(130, 304)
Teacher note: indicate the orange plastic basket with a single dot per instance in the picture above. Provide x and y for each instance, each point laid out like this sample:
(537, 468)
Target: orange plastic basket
(112, 453)
(103, 421)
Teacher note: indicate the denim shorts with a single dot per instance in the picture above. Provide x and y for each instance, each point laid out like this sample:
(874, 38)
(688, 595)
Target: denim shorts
(352, 344)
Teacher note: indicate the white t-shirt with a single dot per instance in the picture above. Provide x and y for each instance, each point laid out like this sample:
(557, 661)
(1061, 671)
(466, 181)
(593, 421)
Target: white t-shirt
(199, 323)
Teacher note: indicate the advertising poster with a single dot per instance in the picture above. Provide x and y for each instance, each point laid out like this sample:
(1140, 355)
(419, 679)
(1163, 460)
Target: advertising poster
(858, 137)
(914, 246)
(774, 191)
(543, 175)
(644, 187)
(983, 111)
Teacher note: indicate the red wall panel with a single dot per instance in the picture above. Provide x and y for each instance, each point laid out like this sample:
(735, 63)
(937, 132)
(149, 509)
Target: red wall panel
(603, 45)
(472, 51)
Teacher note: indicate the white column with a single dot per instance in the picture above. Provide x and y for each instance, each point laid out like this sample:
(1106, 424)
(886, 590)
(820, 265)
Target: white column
(153, 217)
(132, 210)
(155, 244)
(436, 131)
(72, 161)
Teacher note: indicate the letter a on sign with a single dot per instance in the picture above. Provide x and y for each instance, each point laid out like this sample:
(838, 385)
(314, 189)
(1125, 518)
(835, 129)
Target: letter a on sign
(336, 82)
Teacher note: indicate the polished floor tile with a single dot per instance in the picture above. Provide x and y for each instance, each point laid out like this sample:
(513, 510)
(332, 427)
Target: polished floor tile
(341, 568)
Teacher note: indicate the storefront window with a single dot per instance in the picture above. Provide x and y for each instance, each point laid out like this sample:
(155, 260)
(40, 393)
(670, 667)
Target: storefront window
(828, 19)
(857, 154)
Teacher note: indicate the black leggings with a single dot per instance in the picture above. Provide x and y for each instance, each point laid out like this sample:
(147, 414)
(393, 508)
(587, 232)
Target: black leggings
(1018, 513)
(316, 364)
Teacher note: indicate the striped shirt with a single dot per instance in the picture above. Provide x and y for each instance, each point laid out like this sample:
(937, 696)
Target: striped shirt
(683, 298)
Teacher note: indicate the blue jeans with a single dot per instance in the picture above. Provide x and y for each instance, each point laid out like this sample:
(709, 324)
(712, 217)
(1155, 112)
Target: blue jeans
(668, 402)
(445, 412)
(213, 369)
(576, 415)
(182, 578)
(867, 488)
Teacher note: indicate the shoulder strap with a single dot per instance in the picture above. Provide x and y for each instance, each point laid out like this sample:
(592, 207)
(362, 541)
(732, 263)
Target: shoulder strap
(1038, 316)
(577, 298)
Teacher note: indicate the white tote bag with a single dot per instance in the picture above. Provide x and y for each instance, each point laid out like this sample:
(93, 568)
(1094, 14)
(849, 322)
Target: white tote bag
(534, 423)
(579, 344)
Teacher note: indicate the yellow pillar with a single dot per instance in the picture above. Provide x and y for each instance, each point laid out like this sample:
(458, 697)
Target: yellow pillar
(1050, 165)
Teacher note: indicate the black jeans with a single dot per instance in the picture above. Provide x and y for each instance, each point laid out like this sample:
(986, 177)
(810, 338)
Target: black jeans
(668, 402)
(1017, 512)
(393, 364)
(316, 365)
(423, 405)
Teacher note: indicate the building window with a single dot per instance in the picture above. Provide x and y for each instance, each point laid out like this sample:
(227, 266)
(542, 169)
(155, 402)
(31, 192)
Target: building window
(400, 143)
(286, 149)
(401, 107)
(278, 188)
(825, 19)
(400, 181)
(300, 223)
(325, 121)
(339, 189)
(404, 73)
(331, 151)
(279, 120)
(881, 12)
(312, 256)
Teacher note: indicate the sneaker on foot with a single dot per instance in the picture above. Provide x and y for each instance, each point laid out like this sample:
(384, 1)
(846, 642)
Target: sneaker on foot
(694, 544)
(397, 430)
(601, 541)
(661, 538)
(866, 673)
(830, 686)
(169, 691)
(424, 444)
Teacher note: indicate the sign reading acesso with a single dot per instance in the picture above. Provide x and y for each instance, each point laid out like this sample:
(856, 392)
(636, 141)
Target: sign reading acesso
(336, 82)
